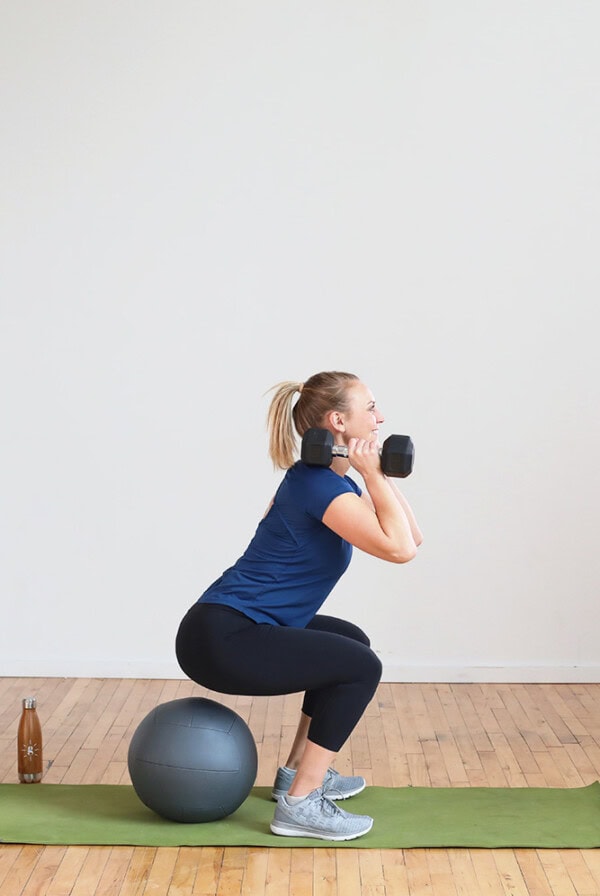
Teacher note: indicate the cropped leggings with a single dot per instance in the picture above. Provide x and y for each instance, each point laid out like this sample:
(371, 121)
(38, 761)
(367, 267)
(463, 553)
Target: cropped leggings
(330, 660)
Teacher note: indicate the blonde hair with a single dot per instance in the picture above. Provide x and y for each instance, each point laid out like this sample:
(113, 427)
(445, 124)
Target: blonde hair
(320, 394)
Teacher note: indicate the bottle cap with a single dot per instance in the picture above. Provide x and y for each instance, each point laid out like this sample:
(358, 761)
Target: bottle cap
(29, 703)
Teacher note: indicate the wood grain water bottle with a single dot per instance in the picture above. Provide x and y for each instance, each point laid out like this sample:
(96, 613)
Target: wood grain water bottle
(29, 744)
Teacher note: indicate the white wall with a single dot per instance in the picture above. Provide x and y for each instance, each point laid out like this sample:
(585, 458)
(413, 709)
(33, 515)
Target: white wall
(201, 199)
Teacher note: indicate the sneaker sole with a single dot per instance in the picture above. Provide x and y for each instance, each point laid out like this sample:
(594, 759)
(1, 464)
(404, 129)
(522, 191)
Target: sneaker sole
(284, 830)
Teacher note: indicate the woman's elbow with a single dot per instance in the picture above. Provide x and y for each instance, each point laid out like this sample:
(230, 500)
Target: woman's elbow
(404, 554)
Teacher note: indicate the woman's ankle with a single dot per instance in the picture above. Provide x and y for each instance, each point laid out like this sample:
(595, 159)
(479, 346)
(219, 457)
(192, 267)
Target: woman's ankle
(304, 784)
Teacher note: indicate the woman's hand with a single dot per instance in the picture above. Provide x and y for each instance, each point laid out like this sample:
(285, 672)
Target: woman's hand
(364, 457)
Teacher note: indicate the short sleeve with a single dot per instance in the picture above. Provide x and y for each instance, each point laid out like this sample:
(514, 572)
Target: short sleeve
(323, 486)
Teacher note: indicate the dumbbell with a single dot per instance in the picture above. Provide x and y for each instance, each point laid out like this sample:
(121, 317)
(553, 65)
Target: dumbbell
(397, 453)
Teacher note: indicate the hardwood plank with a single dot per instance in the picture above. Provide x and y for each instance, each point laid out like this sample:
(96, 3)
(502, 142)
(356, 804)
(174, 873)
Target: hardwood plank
(371, 870)
(67, 871)
(533, 872)
(579, 873)
(324, 873)
(509, 871)
(440, 872)
(507, 760)
(464, 875)
(591, 859)
(137, 872)
(379, 759)
(270, 745)
(255, 872)
(408, 727)
(208, 871)
(348, 872)
(591, 748)
(554, 869)
(232, 871)
(301, 871)
(160, 872)
(550, 728)
(417, 872)
(469, 735)
(449, 749)
(184, 871)
(418, 770)
(436, 767)
(115, 870)
(395, 748)
(44, 870)
(91, 871)
(278, 872)
(20, 871)
(395, 872)
(361, 754)
(9, 853)
(486, 872)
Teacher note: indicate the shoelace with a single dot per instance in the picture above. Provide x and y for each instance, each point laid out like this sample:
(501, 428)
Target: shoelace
(329, 777)
(328, 807)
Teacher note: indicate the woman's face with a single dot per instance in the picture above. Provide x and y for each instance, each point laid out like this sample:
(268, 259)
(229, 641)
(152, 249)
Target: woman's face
(364, 417)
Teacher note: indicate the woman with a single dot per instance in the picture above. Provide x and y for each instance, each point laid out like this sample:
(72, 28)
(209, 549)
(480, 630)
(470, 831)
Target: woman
(255, 630)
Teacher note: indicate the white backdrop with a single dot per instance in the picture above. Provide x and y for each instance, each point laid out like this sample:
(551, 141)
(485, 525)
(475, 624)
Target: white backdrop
(201, 199)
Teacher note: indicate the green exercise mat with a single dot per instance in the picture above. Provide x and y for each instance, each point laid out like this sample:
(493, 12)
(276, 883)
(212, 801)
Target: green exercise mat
(405, 817)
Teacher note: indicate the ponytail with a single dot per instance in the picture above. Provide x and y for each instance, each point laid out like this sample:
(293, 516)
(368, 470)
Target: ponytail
(280, 423)
(320, 394)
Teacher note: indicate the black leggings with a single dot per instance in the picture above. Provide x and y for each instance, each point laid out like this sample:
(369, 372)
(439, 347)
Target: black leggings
(225, 651)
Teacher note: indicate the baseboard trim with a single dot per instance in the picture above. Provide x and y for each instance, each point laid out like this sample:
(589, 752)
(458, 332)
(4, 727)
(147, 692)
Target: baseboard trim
(392, 672)
(492, 674)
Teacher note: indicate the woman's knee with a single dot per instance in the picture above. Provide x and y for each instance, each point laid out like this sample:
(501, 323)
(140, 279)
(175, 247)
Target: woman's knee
(373, 667)
(368, 669)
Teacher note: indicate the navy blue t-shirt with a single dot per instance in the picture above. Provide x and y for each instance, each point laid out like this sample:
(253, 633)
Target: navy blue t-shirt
(294, 559)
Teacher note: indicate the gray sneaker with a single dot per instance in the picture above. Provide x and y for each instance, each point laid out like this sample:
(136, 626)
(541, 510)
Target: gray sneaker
(317, 816)
(335, 786)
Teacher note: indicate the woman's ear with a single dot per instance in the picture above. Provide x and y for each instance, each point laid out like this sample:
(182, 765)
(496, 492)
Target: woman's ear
(336, 421)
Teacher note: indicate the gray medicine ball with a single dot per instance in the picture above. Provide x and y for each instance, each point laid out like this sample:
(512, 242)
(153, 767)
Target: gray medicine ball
(192, 760)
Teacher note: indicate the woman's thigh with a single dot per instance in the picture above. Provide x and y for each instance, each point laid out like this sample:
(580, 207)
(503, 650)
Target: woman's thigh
(230, 653)
(339, 627)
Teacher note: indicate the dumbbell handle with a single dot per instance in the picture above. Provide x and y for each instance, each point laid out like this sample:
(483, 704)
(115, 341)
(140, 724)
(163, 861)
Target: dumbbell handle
(340, 451)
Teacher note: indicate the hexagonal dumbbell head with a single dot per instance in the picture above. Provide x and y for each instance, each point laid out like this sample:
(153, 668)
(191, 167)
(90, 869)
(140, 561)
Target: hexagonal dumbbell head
(398, 456)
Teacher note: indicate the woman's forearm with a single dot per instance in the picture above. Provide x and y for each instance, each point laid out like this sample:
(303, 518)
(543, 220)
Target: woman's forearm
(414, 526)
(395, 522)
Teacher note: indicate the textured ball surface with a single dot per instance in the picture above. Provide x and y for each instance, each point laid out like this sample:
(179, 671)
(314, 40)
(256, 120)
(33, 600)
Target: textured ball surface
(192, 760)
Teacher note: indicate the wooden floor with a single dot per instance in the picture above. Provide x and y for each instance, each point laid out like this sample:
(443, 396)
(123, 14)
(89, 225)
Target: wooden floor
(419, 734)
